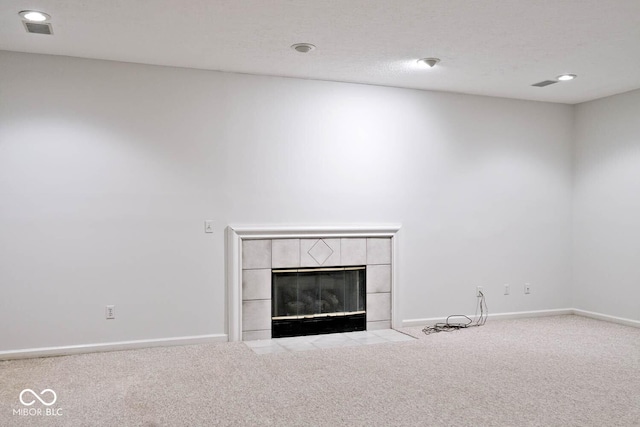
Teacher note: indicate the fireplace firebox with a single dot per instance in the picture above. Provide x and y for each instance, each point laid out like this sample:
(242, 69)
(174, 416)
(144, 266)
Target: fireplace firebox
(312, 301)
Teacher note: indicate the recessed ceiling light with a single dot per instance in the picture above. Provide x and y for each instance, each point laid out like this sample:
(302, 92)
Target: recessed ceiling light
(566, 77)
(34, 16)
(303, 47)
(429, 62)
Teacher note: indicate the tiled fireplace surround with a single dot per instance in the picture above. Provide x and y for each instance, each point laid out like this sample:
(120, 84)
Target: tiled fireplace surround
(254, 251)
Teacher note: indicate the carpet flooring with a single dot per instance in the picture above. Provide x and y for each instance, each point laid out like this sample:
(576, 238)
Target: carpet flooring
(551, 371)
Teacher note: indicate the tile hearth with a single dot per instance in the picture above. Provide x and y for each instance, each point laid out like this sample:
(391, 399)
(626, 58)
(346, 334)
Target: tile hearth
(315, 342)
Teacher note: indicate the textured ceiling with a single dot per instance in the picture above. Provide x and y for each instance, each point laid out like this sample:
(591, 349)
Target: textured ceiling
(487, 47)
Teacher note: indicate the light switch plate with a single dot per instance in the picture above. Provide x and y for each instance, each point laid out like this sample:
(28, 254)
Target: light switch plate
(110, 312)
(208, 226)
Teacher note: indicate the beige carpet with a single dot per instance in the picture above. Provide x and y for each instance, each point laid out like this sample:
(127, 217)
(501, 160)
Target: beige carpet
(554, 371)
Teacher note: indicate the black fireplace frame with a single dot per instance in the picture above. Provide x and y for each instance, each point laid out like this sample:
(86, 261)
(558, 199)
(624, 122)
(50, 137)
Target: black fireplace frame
(316, 324)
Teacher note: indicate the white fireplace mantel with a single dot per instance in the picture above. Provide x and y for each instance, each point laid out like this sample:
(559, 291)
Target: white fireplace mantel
(236, 234)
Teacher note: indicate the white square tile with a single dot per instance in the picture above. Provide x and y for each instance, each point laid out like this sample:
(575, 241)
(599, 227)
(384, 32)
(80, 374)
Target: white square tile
(330, 343)
(378, 278)
(285, 253)
(372, 340)
(255, 336)
(394, 336)
(353, 251)
(330, 338)
(256, 284)
(259, 343)
(378, 307)
(309, 260)
(298, 346)
(337, 344)
(269, 350)
(358, 334)
(350, 343)
(287, 340)
(304, 338)
(379, 250)
(382, 324)
(256, 315)
(256, 254)
(384, 333)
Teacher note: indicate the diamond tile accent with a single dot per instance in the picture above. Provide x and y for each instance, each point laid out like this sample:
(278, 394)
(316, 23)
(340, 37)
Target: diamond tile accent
(307, 260)
(320, 251)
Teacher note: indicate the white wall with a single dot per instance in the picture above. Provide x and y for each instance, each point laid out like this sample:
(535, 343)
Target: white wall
(108, 170)
(606, 246)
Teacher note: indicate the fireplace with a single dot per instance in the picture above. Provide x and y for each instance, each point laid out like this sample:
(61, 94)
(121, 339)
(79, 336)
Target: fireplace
(254, 252)
(313, 301)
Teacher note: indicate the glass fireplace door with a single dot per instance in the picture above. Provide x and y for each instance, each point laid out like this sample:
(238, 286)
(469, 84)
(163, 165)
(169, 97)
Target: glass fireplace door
(319, 300)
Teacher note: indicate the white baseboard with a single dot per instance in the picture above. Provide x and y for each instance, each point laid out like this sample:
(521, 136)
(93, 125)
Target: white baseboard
(112, 346)
(607, 318)
(494, 316)
(537, 313)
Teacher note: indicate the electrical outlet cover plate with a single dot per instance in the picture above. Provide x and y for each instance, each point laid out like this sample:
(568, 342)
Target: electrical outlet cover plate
(110, 312)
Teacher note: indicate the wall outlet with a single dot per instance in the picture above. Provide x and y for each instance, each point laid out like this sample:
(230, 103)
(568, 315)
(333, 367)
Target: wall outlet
(110, 312)
(507, 289)
(527, 288)
(208, 226)
(479, 291)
